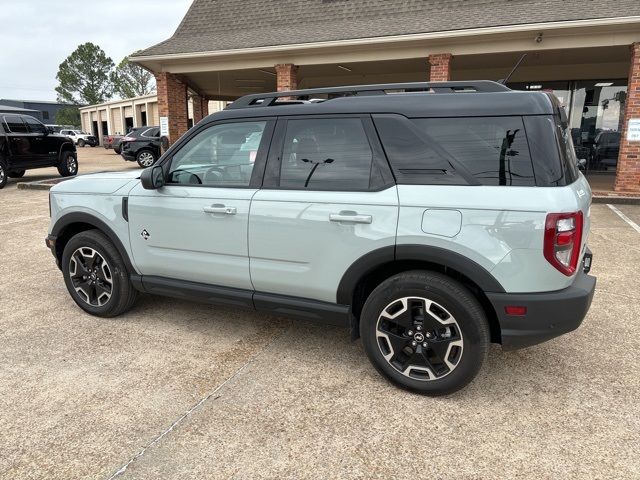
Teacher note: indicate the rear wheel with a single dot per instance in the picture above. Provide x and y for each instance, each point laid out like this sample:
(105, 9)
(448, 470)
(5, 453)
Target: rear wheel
(145, 158)
(117, 150)
(96, 276)
(425, 332)
(68, 166)
(16, 173)
(81, 142)
(3, 173)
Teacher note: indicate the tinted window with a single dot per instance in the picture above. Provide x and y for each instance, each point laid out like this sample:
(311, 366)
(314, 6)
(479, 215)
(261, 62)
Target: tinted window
(34, 125)
(15, 124)
(326, 154)
(221, 155)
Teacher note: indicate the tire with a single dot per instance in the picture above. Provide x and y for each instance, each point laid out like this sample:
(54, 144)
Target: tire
(16, 173)
(81, 143)
(145, 158)
(107, 290)
(68, 166)
(117, 150)
(435, 354)
(93, 145)
(3, 173)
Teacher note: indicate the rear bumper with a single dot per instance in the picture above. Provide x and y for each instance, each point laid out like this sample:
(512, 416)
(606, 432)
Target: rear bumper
(548, 314)
(129, 157)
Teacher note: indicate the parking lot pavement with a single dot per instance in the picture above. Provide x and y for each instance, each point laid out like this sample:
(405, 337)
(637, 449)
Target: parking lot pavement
(90, 159)
(179, 390)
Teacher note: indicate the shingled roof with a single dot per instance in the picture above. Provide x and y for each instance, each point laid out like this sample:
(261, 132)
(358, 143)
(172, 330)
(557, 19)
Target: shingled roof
(212, 25)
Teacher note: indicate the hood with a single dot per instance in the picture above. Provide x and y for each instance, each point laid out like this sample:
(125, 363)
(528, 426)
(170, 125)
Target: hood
(101, 183)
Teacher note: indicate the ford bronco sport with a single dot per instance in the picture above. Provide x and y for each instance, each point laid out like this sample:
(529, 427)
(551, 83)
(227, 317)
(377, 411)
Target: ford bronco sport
(26, 143)
(431, 218)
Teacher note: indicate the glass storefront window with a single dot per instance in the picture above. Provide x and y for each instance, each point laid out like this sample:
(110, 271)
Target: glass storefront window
(596, 111)
(596, 115)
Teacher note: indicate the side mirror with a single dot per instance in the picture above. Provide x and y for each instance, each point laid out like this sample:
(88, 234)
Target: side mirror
(582, 164)
(152, 178)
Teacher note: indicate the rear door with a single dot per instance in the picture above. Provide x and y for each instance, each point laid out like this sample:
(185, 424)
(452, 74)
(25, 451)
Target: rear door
(21, 144)
(327, 200)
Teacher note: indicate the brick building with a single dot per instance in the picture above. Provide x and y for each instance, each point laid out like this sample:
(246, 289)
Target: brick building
(587, 52)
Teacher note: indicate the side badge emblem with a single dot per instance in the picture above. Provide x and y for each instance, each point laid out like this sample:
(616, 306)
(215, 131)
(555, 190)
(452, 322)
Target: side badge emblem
(144, 234)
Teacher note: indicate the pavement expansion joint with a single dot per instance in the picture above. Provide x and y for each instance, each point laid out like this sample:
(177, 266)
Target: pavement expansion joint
(211, 395)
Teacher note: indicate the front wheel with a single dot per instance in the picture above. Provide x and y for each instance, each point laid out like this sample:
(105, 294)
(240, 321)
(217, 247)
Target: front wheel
(145, 158)
(3, 173)
(16, 173)
(425, 332)
(96, 276)
(68, 166)
(81, 143)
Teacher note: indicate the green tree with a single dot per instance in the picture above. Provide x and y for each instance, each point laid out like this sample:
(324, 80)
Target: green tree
(68, 116)
(85, 76)
(131, 80)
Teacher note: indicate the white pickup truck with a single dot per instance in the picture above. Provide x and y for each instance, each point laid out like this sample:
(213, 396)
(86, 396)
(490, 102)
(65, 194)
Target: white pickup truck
(80, 138)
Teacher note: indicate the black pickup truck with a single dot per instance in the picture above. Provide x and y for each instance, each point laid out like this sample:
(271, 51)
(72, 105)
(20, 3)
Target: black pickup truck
(26, 143)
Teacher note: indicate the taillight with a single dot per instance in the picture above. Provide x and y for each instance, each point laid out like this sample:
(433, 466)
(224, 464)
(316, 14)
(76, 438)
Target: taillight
(562, 241)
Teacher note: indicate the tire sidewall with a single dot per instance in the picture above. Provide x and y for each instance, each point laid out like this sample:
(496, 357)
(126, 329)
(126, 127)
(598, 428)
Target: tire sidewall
(63, 168)
(81, 143)
(140, 153)
(464, 308)
(4, 176)
(118, 274)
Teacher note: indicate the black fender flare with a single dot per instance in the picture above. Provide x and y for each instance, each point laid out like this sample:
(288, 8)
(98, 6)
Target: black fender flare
(65, 147)
(417, 253)
(74, 218)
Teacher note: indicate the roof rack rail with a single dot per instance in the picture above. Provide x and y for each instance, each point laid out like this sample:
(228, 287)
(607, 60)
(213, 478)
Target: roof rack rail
(268, 99)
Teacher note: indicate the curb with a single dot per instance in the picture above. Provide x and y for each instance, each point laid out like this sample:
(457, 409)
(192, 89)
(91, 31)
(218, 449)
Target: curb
(41, 184)
(616, 200)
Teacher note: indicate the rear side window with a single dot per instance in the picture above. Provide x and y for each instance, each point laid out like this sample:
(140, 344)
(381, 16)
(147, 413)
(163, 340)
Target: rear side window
(478, 150)
(326, 154)
(14, 124)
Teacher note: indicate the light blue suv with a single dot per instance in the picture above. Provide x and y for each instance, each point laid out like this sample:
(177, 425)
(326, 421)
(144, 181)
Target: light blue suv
(430, 218)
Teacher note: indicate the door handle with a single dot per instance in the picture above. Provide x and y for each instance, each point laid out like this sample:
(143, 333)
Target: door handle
(220, 208)
(350, 217)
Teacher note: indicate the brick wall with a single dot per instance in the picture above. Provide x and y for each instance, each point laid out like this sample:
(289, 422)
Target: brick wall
(287, 76)
(440, 67)
(628, 171)
(172, 103)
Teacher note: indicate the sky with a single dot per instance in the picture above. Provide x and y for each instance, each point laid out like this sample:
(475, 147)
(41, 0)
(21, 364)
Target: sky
(37, 35)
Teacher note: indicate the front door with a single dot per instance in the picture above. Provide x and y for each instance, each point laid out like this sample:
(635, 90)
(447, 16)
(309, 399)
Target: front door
(328, 199)
(195, 227)
(45, 147)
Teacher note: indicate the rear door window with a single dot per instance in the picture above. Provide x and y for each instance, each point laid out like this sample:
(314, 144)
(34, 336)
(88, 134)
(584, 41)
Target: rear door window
(15, 124)
(326, 154)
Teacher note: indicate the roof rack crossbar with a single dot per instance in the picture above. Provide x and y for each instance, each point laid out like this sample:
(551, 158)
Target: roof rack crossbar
(268, 99)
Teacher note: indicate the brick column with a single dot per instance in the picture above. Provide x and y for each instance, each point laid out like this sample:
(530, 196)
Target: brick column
(286, 77)
(628, 170)
(440, 67)
(172, 103)
(205, 107)
(197, 108)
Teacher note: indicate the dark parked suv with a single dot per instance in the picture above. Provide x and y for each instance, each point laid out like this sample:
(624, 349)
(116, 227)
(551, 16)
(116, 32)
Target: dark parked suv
(26, 143)
(141, 145)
